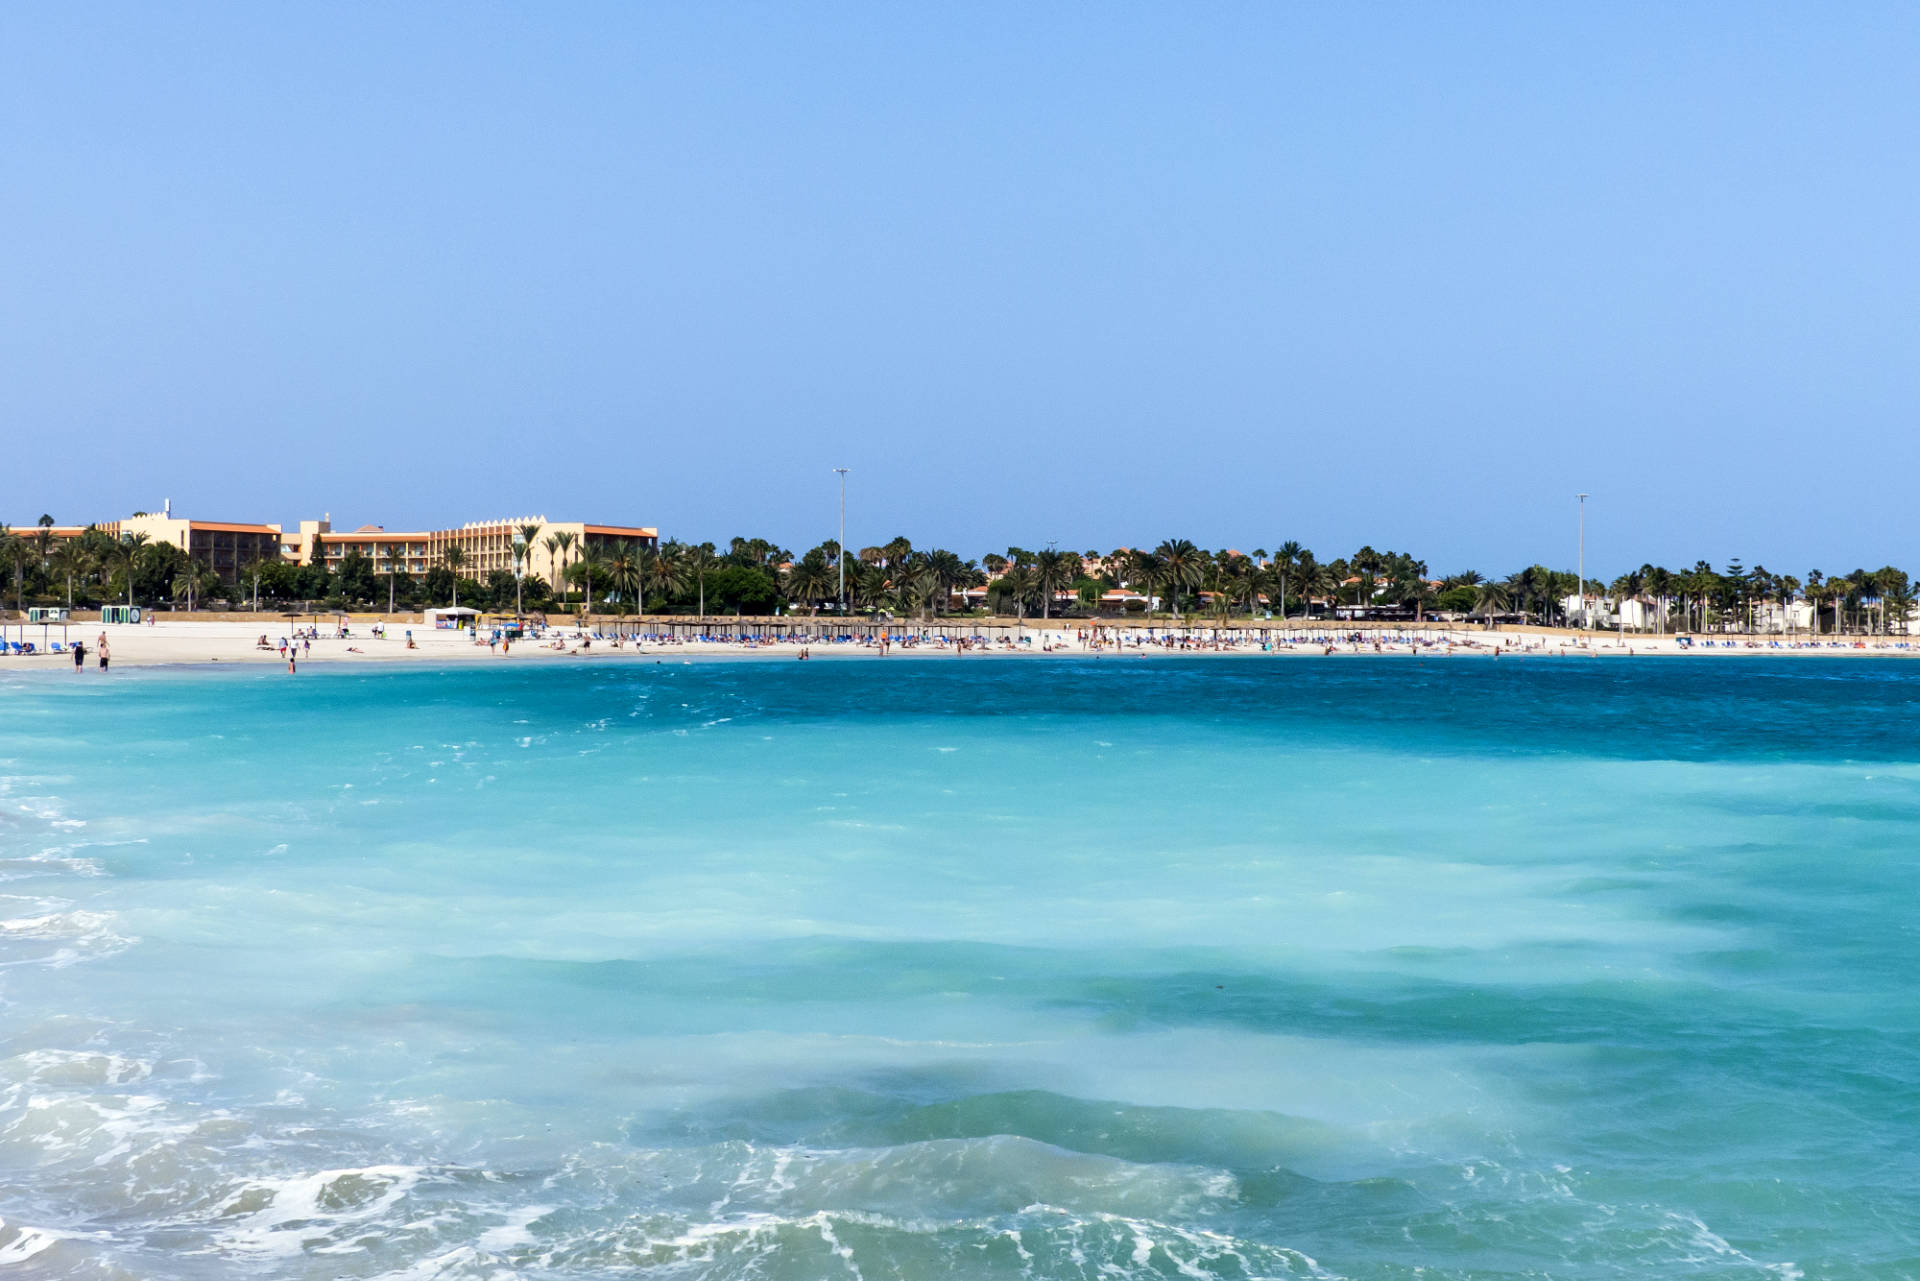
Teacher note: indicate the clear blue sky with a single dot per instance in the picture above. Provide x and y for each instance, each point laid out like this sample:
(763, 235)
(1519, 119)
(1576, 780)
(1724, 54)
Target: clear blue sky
(1100, 274)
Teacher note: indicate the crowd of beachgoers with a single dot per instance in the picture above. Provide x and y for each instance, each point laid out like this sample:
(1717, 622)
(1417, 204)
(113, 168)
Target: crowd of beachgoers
(33, 646)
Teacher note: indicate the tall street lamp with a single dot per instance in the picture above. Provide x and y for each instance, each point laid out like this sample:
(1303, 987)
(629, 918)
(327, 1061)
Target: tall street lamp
(1581, 565)
(841, 559)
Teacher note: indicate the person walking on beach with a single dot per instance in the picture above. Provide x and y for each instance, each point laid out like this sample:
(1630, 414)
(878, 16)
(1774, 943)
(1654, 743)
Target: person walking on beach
(105, 653)
(79, 655)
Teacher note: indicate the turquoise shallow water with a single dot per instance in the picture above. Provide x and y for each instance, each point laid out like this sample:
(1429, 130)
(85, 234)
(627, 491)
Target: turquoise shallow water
(963, 968)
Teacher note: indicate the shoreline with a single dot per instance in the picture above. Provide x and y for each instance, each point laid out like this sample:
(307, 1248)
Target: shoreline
(197, 645)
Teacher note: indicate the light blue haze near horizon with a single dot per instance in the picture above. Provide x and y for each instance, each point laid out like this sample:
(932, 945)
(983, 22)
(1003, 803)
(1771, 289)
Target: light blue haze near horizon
(1405, 275)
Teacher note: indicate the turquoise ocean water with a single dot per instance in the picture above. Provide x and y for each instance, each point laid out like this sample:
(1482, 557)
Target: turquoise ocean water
(963, 968)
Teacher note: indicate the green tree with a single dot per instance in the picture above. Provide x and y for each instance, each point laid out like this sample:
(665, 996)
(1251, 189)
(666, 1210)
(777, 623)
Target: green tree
(452, 560)
(697, 562)
(1286, 564)
(591, 564)
(624, 572)
(743, 589)
(1053, 571)
(132, 549)
(193, 580)
(1182, 565)
(810, 580)
(72, 560)
(557, 544)
(393, 562)
(522, 553)
(353, 578)
(663, 571)
(1492, 598)
(1014, 588)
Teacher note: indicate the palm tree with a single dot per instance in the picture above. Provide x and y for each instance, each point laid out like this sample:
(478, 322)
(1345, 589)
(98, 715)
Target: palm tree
(1365, 564)
(950, 570)
(12, 555)
(1312, 579)
(254, 572)
(71, 560)
(522, 553)
(132, 548)
(664, 574)
(809, 580)
(918, 582)
(43, 539)
(698, 563)
(1491, 598)
(1837, 591)
(453, 558)
(1145, 570)
(557, 544)
(1897, 600)
(868, 586)
(1787, 587)
(1181, 568)
(623, 570)
(1631, 585)
(1660, 585)
(1053, 571)
(592, 561)
(1286, 560)
(1017, 586)
(1415, 591)
(188, 580)
(392, 556)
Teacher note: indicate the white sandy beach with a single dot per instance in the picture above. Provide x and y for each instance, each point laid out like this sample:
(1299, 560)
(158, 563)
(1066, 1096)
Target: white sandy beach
(180, 642)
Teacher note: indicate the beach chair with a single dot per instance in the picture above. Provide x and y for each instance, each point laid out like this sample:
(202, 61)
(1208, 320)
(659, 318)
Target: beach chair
(58, 648)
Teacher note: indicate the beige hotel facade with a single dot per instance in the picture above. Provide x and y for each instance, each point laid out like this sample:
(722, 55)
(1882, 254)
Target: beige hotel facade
(229, 547)
(486, 545)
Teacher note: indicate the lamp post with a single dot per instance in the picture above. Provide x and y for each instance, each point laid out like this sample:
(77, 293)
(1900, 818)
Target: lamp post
(841, 560)
(1580, 564)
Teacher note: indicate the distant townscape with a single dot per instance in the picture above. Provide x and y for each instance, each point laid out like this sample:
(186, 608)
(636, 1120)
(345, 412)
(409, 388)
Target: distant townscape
(536, 565)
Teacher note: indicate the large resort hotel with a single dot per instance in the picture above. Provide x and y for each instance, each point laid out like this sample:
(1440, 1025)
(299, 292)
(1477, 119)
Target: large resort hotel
(227, 547)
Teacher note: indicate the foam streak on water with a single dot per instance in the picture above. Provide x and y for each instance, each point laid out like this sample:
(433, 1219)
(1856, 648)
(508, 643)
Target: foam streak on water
(941, 968)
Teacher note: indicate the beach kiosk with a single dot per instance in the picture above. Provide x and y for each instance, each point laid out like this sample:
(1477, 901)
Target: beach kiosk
(120, 613)
(47, 614)
(451, 618)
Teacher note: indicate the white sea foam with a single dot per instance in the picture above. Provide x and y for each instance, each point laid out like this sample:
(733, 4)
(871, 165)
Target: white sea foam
(80, 934)
(74, 1068)
(283, 1217)
(514, 1231)
(19, 1243)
